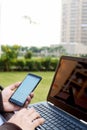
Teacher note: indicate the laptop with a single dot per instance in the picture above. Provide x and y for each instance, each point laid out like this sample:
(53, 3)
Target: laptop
(66, 105)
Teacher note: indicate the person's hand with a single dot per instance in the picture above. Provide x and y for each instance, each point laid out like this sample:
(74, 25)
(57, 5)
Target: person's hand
(27, 119)
(7, 92)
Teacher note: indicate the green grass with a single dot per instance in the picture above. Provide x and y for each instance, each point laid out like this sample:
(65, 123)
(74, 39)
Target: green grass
(40, 93)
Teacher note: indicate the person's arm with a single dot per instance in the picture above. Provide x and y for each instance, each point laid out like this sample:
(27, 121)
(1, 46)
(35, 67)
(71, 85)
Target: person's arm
(24, 119)
(9, 126)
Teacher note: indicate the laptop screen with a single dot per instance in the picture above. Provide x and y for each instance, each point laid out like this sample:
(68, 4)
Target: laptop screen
(69, 87)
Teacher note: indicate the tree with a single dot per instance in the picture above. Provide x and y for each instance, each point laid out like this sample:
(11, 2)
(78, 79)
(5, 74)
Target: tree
(28, 55)
(8, 54)
(34, 49)
(61, 50)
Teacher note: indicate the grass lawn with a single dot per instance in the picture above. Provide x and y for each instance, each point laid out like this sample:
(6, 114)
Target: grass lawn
(40, 93)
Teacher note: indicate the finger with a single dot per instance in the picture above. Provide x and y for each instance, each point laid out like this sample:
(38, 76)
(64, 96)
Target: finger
(28, 100)
(34, 116)
(14, 86)
(26, 104)
(32, 95)
(38, 122)
(28, 111)
(25, 112)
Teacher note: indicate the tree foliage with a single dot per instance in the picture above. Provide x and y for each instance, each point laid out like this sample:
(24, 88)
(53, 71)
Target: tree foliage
(9, 53)
(28, 55)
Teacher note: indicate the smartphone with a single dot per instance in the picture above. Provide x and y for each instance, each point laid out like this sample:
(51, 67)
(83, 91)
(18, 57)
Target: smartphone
(25, 88)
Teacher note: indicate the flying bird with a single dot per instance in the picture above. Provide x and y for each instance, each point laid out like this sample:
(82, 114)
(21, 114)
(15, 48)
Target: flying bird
(30, 20)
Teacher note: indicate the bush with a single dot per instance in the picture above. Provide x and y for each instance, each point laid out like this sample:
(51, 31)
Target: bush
(46, 64)
(17, 65)
(35, 64)
(53, 64)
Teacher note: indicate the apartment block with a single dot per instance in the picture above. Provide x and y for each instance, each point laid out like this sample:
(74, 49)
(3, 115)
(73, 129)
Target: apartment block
(74, 22)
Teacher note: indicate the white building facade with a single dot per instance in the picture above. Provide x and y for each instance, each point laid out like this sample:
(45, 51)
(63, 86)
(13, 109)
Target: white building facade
(74, 26)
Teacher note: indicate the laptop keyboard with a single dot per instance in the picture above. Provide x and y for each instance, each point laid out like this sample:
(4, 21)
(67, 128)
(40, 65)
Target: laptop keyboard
(55, 120)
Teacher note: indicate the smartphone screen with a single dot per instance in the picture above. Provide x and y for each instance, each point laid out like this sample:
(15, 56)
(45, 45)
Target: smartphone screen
(26, 87)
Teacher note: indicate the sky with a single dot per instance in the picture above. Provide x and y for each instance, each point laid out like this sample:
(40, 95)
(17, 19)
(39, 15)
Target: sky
(30, 22)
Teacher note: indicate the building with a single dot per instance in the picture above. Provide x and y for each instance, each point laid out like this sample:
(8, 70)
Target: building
(74, 23)
(75, 49)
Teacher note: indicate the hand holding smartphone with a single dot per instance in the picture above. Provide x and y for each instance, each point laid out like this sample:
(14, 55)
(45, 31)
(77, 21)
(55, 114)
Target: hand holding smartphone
(26, 87)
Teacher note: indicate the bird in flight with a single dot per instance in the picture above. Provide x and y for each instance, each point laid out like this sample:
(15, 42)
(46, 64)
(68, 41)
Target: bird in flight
(29, 18)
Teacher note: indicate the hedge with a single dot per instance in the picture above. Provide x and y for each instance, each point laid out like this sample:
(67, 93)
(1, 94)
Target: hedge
(43, 64)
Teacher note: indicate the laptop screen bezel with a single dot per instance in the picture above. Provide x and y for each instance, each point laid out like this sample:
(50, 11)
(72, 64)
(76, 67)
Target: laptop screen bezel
(67, 108)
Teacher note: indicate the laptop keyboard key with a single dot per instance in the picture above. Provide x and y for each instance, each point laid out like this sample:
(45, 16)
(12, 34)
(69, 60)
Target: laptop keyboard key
(55, 120)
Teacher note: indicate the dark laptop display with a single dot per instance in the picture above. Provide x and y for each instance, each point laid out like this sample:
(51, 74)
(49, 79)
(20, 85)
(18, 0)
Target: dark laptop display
(66, 105)
(69, 88)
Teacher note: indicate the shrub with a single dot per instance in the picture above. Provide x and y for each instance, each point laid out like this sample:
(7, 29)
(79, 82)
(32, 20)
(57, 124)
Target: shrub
(46, 63)
(53, 64)
(35, 64)
(19, 64)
